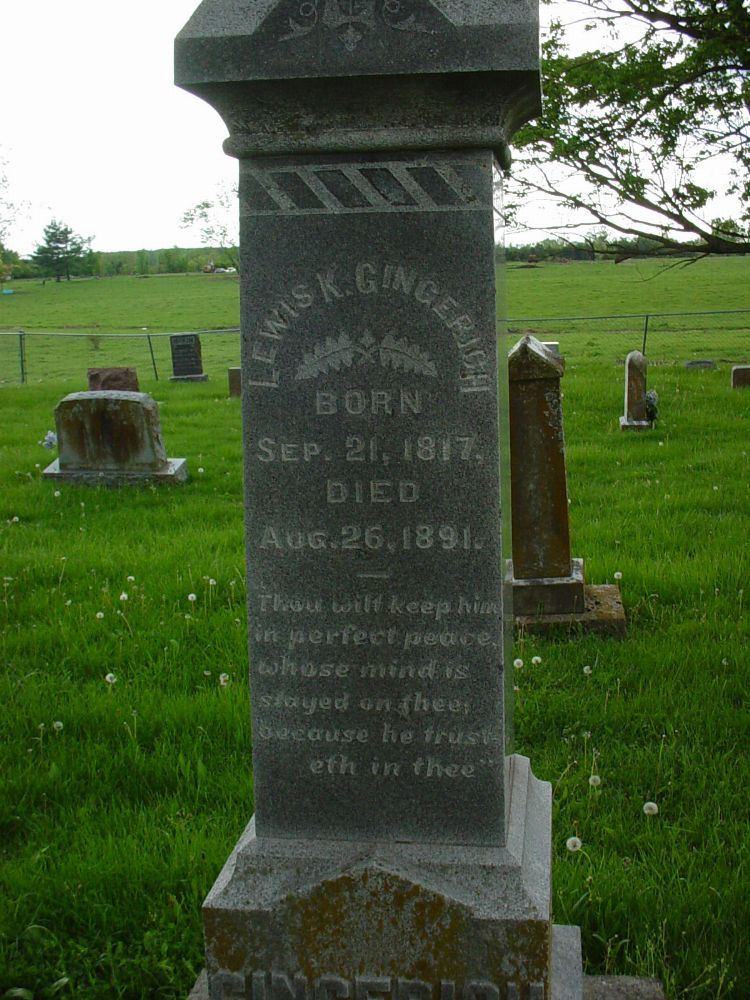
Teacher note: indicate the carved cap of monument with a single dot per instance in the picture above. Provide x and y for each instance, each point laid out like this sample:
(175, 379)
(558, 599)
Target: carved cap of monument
(530, 360)
(297, 76)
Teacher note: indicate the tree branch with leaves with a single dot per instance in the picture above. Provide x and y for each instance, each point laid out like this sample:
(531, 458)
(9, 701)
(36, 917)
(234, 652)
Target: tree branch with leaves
(639, 135)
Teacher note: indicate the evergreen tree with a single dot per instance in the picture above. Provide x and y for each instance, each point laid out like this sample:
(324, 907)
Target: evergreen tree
(61, 250)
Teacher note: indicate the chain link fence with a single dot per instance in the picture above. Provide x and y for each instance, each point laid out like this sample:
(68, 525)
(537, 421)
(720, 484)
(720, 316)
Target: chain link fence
(722, 335)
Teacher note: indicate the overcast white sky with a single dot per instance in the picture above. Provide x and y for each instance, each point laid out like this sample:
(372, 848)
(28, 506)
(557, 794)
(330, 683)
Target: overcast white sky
(93, 130)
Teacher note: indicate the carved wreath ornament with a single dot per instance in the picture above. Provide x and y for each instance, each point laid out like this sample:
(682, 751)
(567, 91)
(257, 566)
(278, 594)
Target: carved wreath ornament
(335, 353)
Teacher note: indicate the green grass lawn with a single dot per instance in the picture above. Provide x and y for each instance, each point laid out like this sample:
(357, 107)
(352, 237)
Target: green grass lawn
(114, 825)
(89, 311)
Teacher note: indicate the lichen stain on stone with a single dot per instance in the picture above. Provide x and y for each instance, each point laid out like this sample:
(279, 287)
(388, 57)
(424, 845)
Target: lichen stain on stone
(350, 923)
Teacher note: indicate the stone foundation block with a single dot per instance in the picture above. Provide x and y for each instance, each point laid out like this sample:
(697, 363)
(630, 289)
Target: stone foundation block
(562, 595)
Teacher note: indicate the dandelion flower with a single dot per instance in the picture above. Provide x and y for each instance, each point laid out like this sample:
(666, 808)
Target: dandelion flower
(131, 579)
(100, 615)
(536, 660)
(618, 575)
(650, 808)
(518, 664)
(57, 725)
(595, 781)
(192, 598)
(68, 602)
(206, 673)
(212, 582)
(57, 493)
(201, 469)
(587, 670)
(573, 844)
(223, 679)
(123, 596)
(41, 725)
(110, 678)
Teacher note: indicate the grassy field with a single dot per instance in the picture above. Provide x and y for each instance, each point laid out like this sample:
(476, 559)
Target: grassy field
(89, 311)
(121, 800)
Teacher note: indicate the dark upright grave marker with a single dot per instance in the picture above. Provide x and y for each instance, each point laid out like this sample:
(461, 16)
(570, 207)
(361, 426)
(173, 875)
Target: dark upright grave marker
(398, 847)
(635, 416)
(187, 361)
(741, 376)
(111, 438)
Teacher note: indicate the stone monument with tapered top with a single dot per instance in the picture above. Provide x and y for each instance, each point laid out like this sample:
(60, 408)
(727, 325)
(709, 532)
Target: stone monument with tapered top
(399, 848)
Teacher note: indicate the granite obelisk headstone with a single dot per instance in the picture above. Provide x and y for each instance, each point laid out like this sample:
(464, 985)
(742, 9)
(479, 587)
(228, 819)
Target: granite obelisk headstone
(398, 848)
(546, 580)
(635, 416)
(548, 584)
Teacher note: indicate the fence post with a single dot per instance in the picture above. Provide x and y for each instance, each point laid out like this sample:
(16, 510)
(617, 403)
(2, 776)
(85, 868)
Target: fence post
(153, 359)
(645, 335)
(22, 355)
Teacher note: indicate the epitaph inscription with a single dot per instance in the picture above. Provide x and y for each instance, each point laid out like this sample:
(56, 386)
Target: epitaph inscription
(375, 568)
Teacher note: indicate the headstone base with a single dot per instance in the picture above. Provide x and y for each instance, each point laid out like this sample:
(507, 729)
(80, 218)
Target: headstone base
(635, 425)
(594, 988)
(176, 471)
(558, 595)
(398, 919)
(603, 614)
(189, 378)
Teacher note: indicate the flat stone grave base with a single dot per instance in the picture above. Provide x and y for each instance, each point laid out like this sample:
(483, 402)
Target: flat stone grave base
(189, 378)
(635, 425)
(176, 471)
(556, 595)
(603, 614)
(594, 988)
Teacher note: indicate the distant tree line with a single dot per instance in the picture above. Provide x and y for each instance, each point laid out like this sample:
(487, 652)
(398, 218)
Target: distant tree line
(64, 255)
(598, 246)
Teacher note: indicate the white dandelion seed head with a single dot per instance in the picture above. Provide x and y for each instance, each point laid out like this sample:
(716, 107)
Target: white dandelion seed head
(518, 664)
(223, 679)
(588, 669)
(618, 575)
(57, 493)
(100, 615)
(536, 660)
(123, 596)
(41, 725)
(110, 678)
(650, 808)
(201, 470)
(131, 579)
(573, 844)
(595, 781)
(57, 725)
(206, 673)
(192, 598)
(212, 582)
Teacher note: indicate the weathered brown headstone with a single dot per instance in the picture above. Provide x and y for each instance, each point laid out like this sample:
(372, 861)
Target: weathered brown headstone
(235, 381)
(111, 438)
(635, 416)
(545, 578)
(741, 377)
(118, 379)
